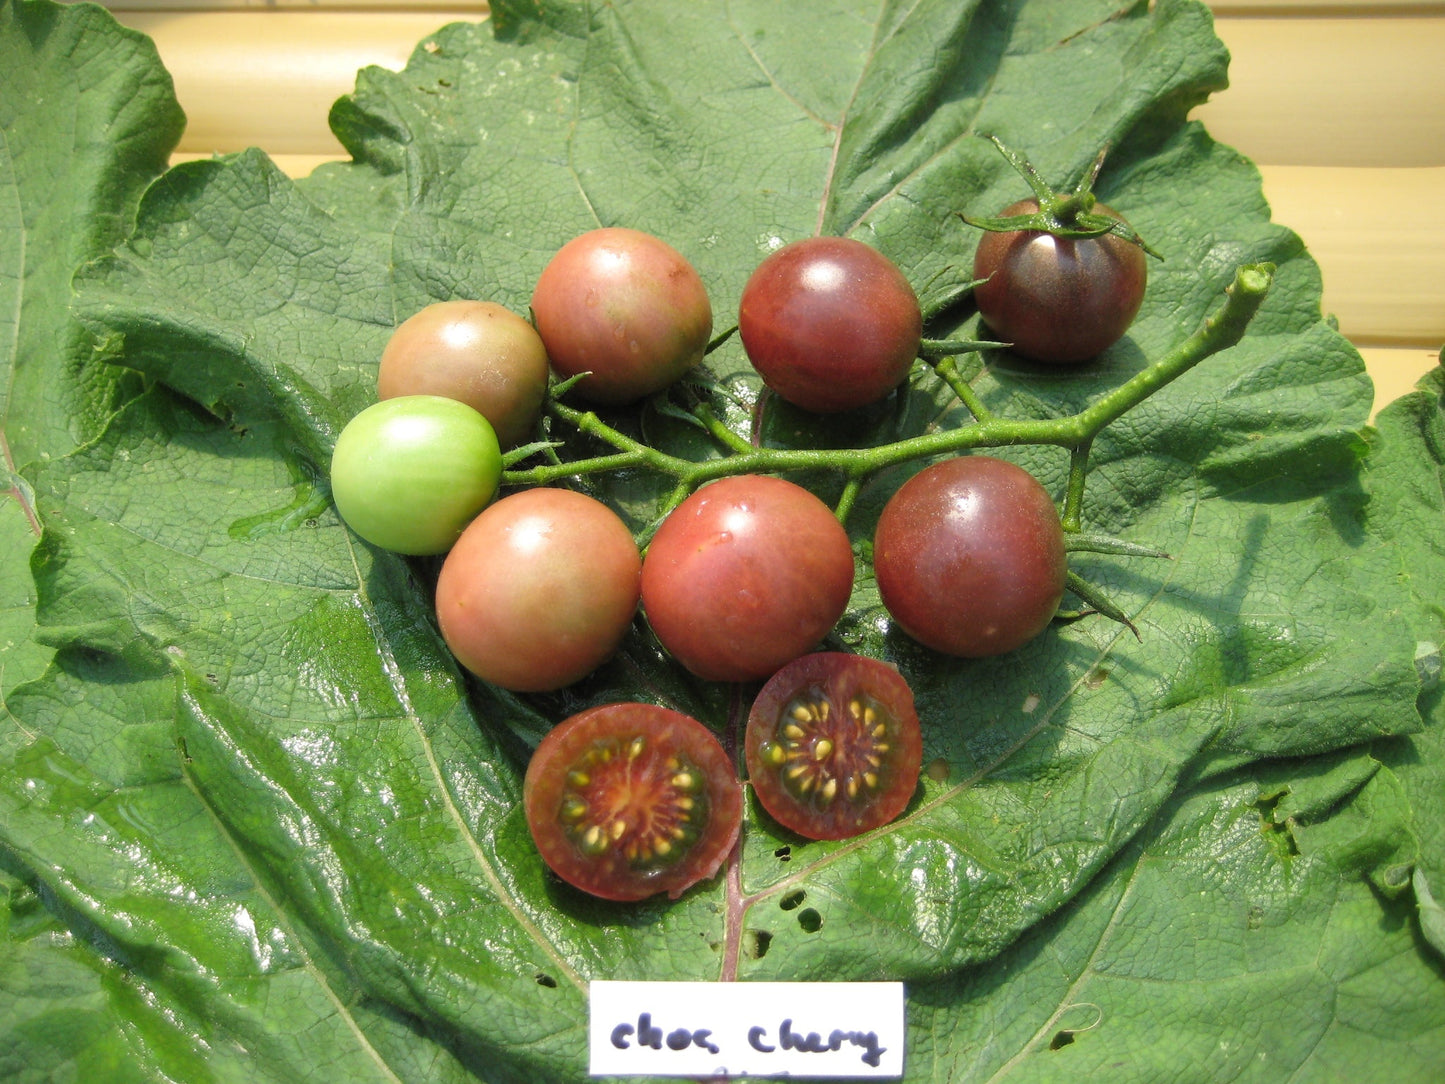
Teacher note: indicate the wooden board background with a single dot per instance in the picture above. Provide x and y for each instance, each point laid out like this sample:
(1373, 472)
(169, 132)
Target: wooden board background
(1341, 104)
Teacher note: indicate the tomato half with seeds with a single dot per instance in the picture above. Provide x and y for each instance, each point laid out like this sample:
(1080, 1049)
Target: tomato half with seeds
(833, 745)
(628, 800)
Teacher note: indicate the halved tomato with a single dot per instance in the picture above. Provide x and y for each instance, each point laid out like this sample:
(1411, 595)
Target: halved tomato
(627, 800)
(833, 745)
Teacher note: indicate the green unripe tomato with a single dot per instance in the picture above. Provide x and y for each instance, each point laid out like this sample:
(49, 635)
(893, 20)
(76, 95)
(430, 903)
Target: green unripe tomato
(409, 473)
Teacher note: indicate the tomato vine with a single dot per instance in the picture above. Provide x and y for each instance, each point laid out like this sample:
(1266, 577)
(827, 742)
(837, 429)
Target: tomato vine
(1075, 433)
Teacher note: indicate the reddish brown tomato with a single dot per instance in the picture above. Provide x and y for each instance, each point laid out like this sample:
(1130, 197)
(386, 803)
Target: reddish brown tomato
(475, 351)
(1057, 299)
(830, 324)
(969, 556)
(833, 745)
(625, 307)
(539, 589)
(628, 800)
(745, 575)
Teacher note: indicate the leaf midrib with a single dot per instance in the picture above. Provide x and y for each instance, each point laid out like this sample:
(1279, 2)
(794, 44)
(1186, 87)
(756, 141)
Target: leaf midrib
(397, 681)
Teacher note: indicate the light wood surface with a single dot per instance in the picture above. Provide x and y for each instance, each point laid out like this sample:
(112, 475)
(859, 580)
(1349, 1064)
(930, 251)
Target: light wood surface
(1341, 104)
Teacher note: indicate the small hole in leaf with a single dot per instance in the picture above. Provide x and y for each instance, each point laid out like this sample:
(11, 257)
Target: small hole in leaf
(760, 941)
(792, 900)
(1061, 1040)
(783, 853)
(810, 920)
(543, 979)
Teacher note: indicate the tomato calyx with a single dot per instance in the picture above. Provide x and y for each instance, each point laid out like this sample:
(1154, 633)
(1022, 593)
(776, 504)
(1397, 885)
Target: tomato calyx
(1069, 215)
(1094, 599)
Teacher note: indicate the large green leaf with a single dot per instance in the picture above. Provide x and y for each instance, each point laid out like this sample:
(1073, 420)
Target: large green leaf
(1407, 484)
(255, 809)
(1238, 938)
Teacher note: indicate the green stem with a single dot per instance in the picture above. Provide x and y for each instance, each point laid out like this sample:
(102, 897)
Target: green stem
(1079, 542)
(933, 349)
(1072, 516)
(1099, 602)
(1221, 330)
(720, 432)
(846, 499)
(719, 339)
(947, 370)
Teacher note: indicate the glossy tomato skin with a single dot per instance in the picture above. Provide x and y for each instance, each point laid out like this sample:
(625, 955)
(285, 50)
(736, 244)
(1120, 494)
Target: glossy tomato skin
(969, 556)
(477, 352)
(627, 308)
(833, 745)
(746, 574)
(539, 590)
(830, 324)
(1055, 299)
(628, 800)
(408, 474)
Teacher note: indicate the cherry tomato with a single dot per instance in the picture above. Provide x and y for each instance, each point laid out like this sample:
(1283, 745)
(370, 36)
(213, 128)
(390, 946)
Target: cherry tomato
(746, 574)
(1057, 299)
(969, 556)
(408, 474)
(628, 800)
(475, 351)
(539, 590)
(833, 746)
(830, 324)
(627, 308)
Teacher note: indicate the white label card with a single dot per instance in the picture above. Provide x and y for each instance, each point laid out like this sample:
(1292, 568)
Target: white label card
(721, 1030)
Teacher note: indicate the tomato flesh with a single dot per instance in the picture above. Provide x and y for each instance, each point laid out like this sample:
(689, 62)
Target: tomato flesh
(1056, 299)
(628, 800)
(833, 745)
(969, 556)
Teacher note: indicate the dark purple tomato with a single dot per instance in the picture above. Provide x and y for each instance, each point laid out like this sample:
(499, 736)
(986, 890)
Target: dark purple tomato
(476, 352)
(969, 556)
(539, 589)
(625, 307)
(833, 746)
(830, 324)
(1057, 299)
(628, 800)
(745, 575)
